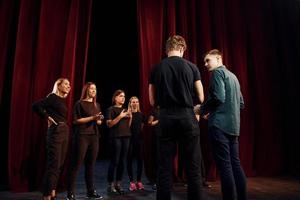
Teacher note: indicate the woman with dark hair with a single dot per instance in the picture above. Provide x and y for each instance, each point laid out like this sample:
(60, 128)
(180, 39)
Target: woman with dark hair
(87, 117)
(54, 109)
(118, 121)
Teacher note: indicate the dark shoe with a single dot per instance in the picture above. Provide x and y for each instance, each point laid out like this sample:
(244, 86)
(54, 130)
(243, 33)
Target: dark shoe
(119, 189)
(154, 187)
(93, 195)
(205, 184)
(111, 189)
(70, 196)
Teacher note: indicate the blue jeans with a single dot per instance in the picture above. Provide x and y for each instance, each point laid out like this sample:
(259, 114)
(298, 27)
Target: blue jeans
(226, 155)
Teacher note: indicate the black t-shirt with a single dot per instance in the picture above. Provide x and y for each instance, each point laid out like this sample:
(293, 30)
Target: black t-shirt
(121, 129)
(53, 106)
(86, 109)
(173, 79)
(136, 125)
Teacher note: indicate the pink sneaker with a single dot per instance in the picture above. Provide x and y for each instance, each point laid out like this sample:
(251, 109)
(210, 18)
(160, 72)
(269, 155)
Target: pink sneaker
(140, 185)
(132, 186)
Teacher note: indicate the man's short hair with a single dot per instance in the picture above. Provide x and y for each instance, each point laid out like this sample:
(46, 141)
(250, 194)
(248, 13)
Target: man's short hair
(214, 52)
(175, 42)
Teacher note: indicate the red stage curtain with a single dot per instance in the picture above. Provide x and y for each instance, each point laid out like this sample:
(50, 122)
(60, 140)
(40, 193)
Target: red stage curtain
(242, 31)
(42, 41)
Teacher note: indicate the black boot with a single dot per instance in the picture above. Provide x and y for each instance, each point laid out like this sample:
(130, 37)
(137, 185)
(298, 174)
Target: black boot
(71, 196)
(120, 189)
(111, 188)
(93, 195)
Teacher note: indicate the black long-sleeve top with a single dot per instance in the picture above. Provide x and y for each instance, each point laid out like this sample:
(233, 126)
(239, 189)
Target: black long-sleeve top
(53, 106)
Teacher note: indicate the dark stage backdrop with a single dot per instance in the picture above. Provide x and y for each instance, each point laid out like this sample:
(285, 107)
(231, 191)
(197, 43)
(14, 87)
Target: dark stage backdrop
(113, 56)
(42, 40)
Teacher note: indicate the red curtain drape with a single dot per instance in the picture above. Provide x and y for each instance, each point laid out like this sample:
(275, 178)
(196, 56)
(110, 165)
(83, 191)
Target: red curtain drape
(42, 41)
(240, 29)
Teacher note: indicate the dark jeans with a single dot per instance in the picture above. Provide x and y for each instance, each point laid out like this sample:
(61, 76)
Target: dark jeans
(179, 126)
(226, 154)
(135, 151)
(85, 148)
(181, 166)
(57, 146)
(119, 150)
(156, 155)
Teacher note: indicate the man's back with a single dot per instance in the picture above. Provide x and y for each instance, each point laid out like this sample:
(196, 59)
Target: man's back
(172, 85)
(174, 79)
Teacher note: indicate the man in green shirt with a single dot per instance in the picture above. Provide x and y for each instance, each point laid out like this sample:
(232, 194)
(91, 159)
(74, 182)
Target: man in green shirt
(222, 109)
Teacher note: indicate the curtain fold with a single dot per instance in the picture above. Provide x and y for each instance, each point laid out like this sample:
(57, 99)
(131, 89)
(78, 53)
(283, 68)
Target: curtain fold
(243, 31)
(51, 42)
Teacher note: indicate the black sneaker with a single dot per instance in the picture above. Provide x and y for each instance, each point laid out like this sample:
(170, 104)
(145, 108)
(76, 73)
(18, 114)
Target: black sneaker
(111, 189)
(70, 196)
(154, 187)
(93, 195)
(119, 189)
(205, 184)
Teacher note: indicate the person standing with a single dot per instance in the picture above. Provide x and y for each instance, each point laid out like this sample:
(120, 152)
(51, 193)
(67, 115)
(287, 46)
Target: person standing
(222, 108)
(135, 145)
(153, 121)
(173, 84)
(203, 169)
(86, 118)
(53, 108)
(118, 120)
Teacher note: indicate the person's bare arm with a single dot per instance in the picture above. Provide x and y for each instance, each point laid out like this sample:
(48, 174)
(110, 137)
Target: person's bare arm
(152, 94)
(199, 90)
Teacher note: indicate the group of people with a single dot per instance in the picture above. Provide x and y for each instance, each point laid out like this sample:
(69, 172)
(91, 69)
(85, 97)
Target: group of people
(174, 87)
(125, 139)
(174, 84)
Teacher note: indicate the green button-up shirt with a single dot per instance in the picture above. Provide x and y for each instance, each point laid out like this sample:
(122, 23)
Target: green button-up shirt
(224, 101)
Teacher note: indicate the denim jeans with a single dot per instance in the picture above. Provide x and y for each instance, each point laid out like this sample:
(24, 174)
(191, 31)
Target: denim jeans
(226, 155)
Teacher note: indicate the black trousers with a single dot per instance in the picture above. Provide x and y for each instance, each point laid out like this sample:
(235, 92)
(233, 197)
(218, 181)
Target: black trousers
(57, 146)
(85, 149)
(179, 126)
(118, 155)
(181, 166)
(135, 151)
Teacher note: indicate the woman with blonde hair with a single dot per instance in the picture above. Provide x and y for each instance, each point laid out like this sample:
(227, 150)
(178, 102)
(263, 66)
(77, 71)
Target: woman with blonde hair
(53, 108)
(135, 144)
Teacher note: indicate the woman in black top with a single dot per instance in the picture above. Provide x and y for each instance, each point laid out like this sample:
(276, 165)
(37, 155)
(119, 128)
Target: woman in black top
(135, 144)
(87, 117)
(54, 109)
(118, 121)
